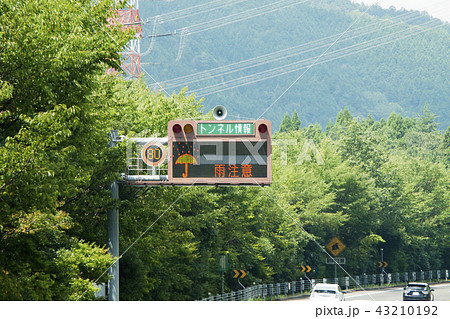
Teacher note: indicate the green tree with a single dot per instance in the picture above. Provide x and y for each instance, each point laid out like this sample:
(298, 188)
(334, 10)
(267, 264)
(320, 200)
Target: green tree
(395, 122)
(329, 128)
(53, 144)
(313, 132)
(51, 53)
(446, 147)
(286, 124)
(295, 121)
(414, 203)
(446, 140)
(343, 117)
(426, 122)
(360, 148)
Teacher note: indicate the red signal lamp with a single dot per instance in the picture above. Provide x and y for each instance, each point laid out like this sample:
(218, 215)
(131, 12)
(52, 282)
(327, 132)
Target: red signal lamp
(262, 128)
(176, 128)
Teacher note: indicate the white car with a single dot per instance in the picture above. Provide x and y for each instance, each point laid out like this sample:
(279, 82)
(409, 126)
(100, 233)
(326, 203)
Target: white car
(327, 292)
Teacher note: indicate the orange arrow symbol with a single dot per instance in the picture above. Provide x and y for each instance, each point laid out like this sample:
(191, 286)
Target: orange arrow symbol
(243, 273)
(305, 268)
(380, 264)
(385, 264)
(236, 273)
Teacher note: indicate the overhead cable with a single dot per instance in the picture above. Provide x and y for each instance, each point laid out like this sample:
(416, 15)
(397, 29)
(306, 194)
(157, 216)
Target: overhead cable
(277, 55)
(299, 65)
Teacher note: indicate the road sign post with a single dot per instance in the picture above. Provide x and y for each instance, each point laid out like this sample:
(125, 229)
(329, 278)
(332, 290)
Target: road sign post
(113, 233)
(335, 246)
(222, 266)
(383, 264)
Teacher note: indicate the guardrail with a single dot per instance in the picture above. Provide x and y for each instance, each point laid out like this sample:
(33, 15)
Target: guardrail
(293, 288)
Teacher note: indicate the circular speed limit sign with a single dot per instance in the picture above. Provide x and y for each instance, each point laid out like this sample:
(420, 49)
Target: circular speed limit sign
(153, 153)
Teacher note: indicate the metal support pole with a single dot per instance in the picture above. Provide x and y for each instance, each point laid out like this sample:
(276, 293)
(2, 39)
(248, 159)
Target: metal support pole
(113, 246)
(113, 236)
(243, 287)
(335, 273)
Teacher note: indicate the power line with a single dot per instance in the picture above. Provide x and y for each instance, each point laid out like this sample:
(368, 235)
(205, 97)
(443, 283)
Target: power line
(220, 22)
(244, 15)
(296, 66)
(274, 56)
(315, 61)
(289, 69)
(194, 10)
(181, 14)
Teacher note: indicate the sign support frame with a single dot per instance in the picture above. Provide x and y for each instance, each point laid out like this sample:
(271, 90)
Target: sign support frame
(113, 232)
(256, 134)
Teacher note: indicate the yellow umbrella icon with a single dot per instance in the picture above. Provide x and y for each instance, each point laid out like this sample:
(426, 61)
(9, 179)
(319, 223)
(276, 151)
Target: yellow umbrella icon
(186, 159)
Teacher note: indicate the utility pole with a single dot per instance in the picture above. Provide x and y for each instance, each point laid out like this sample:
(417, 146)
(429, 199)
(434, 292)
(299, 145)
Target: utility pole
(113, 234)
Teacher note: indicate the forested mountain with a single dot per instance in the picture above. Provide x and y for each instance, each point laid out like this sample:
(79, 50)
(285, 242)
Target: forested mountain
(246, 54)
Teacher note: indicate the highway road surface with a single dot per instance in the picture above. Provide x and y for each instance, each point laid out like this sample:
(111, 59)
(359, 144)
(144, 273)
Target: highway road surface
(441, 293)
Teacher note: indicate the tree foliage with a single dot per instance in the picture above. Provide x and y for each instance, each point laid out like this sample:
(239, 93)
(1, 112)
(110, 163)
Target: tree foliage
(374, 184)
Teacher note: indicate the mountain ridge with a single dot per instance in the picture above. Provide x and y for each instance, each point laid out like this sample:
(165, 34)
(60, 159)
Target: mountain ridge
(397, 61)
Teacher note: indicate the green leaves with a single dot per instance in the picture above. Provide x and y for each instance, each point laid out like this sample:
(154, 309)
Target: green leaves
(53, 145)
(51, 50)
(78, 268)
(289, 124)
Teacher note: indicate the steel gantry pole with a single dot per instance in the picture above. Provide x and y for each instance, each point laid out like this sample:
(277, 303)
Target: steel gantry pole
(113, 234)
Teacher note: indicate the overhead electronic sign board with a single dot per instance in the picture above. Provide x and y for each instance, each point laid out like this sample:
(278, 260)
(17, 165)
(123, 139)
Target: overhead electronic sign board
(220, 152)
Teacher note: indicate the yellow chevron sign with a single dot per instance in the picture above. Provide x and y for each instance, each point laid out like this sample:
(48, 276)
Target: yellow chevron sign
(239, 273)
(305, 268)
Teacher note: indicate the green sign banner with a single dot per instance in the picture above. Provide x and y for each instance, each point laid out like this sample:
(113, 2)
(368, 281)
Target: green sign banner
(225, 128)
(222, 263)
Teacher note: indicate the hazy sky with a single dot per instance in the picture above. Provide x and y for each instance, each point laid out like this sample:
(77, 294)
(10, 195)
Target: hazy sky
(436, 8)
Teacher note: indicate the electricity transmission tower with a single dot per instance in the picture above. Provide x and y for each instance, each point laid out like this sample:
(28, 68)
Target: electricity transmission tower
(129, 19)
